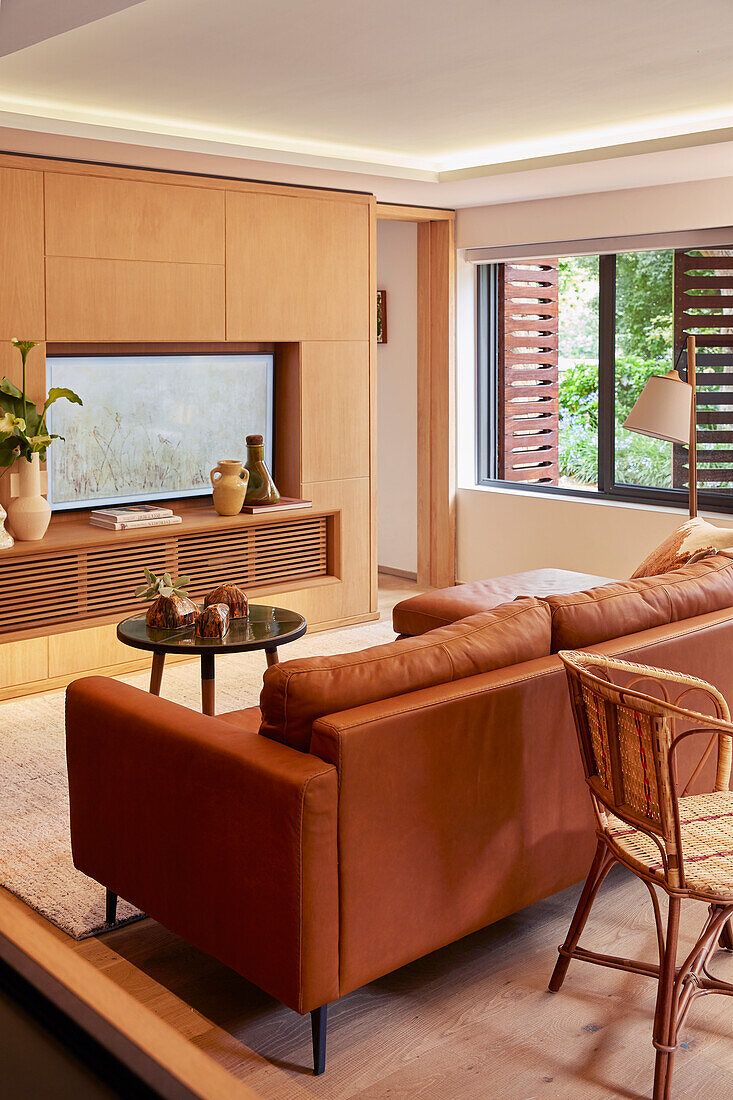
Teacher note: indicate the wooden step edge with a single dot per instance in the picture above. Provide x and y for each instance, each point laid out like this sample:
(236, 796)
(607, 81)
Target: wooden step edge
(151, 1048)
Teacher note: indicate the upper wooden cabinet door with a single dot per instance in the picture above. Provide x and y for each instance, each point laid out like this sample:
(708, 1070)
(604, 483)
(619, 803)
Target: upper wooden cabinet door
(121, 300)
(22, 311)
(297, 268)
(101, 218)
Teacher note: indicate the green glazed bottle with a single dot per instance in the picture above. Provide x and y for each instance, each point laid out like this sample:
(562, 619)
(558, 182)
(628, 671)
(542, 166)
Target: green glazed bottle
(260, 487)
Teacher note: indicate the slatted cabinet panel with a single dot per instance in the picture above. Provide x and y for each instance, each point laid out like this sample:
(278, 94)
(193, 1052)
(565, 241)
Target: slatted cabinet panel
(266, 555)
(57, 588)
(703, 306)
(528, 372)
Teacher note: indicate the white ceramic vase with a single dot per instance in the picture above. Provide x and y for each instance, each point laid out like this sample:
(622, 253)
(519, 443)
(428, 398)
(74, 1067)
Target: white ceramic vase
(6, 540)
(29, 514)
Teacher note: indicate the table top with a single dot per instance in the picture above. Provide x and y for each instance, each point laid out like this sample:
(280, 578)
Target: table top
(265, 627)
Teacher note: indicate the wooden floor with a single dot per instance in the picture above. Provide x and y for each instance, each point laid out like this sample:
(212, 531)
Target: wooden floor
(473, 1020)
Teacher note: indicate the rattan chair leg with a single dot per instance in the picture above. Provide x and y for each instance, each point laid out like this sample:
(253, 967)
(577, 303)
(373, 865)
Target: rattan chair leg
(665, 1024)
(601, 865)
(726, 937)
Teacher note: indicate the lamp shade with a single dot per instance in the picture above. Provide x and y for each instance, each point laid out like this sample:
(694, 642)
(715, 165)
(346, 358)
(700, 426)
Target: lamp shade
(663, 409)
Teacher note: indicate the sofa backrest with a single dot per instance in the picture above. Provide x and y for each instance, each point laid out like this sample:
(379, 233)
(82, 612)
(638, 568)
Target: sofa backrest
(296, 693)
(627, 607)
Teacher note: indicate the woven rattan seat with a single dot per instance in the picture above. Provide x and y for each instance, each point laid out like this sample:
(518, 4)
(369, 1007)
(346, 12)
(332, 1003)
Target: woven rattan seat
(706, 827)
(677, 841)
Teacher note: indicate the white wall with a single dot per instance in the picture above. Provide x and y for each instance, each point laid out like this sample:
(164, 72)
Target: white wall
(507, 531)
(397, 398)
(702, 204)
(510, 531)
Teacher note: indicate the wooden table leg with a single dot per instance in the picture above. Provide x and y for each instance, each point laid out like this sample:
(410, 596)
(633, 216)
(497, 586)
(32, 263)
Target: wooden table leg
(207, 684)
(272, 657)
(156, 673)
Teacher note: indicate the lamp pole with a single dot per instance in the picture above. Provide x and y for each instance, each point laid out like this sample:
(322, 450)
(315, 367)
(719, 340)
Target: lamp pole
(692, 450)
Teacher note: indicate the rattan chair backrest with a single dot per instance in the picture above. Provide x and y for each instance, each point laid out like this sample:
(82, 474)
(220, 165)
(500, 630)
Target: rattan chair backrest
(627, 740)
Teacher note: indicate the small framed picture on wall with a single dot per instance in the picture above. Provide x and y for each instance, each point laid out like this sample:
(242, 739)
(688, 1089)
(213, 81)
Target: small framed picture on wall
(381, 316)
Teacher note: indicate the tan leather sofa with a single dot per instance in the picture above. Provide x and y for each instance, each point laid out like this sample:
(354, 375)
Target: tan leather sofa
(382, 804)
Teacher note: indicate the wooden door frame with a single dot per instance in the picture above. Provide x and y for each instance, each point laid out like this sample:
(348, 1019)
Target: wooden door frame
(436, 401)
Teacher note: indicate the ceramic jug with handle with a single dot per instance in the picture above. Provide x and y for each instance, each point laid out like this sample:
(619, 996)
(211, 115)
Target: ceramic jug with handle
(229, 480)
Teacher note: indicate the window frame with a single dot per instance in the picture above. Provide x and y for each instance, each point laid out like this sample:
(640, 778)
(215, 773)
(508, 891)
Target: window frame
(487, 426)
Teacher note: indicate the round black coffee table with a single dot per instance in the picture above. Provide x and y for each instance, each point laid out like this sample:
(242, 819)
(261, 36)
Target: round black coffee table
(265, 627)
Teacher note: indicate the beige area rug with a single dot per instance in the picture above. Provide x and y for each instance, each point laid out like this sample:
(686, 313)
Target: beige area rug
(35, 851)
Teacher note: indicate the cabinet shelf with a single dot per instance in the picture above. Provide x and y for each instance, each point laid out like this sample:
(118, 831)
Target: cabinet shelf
(72, 530)
(81, 574)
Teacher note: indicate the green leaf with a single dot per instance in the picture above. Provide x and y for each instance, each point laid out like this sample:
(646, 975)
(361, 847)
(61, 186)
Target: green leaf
(165, 590)
(6, 386)
(11, 404)
(32, 419)
(181, 582)
(56, 393)
(167, 580)
(8, 445)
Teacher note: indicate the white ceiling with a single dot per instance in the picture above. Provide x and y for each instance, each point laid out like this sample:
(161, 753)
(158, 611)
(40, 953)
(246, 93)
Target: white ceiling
(424, 91)
(25, 22)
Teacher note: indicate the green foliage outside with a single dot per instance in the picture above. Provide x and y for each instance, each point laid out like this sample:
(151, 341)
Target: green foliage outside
(639, 460)
(643, 347)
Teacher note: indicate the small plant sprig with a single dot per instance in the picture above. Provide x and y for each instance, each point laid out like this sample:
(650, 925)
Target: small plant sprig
(162, 586)
(23, 430)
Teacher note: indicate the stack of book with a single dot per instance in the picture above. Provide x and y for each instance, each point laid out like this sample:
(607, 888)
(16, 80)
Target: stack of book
(132, 516)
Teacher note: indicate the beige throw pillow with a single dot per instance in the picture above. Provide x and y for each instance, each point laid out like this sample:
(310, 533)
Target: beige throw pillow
(693, 540)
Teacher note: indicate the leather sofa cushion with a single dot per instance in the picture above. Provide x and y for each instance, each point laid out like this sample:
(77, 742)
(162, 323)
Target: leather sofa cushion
(627, 607)
(441, 606)
(296, 693)
(247, 719)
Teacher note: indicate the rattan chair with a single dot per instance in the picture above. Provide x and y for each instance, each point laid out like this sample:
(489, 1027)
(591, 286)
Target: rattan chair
(682, 842)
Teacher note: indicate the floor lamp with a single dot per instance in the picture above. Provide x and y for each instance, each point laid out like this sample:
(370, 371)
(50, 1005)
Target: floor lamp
(666, 409)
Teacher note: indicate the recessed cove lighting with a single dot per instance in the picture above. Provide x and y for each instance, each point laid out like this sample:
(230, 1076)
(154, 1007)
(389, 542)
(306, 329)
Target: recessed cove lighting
(14, 109)
(67, 112)
(582, 140)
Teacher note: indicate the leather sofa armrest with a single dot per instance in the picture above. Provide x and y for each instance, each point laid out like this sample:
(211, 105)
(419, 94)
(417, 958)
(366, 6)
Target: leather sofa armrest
(225, 837)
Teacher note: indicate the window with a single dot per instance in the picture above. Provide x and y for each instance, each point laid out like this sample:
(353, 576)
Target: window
(643, 345)
(566, 346)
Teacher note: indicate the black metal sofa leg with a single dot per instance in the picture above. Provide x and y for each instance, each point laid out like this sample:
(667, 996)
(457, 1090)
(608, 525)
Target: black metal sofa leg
(318, 1027)
(111, 908)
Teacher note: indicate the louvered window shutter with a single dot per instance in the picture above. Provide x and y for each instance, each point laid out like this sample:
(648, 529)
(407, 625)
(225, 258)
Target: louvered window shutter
(705, 282)
(528, 372)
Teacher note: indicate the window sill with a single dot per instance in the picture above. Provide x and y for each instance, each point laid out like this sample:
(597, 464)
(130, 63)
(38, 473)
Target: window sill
(573, 497)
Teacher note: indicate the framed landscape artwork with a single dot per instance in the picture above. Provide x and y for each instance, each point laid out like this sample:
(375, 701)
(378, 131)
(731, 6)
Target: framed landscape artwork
(153, 426)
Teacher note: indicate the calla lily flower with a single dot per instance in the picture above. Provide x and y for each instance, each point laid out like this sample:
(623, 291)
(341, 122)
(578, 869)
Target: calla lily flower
(24, 345)
(9, 422)
(36, 439)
